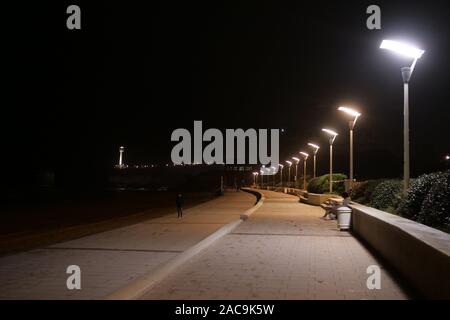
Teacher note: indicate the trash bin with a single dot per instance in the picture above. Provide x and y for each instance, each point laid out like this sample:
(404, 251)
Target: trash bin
(344, 216)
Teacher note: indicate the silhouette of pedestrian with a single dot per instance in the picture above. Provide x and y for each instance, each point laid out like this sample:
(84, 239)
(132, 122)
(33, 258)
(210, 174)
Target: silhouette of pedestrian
(179, 203)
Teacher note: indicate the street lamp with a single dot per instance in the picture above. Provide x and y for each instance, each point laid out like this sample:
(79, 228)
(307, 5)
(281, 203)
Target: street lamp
(332, 136)
(289, 172)
(316, 148)
(297, 160)
(274, 170)
(255, 176)
(281, 174)
(305, 155)
(351, 124)
(262, 177)
(415, 53)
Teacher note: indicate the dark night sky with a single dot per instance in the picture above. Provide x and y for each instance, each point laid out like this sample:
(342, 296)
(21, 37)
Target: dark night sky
(136, 72)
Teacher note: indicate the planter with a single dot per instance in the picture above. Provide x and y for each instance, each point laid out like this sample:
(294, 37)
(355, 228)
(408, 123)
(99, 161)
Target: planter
(344, 216)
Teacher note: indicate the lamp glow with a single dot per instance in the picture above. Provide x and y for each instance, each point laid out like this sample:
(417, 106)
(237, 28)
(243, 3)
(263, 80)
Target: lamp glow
(349, 111)
(304, 154)
(315, 146)
(402, 48)
(330, 132)
(296, 159)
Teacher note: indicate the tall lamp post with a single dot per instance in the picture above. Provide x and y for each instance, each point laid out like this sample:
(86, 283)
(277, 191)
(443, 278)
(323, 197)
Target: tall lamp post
(297, 160)
(351, 124)
(414, 53)
(305, 155)
(262, 177)
(255, 176)
(316, 148)
(332, 136)
(289, 172)
(274, 170)
(281, 174)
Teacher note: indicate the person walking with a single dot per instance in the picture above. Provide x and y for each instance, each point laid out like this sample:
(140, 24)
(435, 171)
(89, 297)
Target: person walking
(179, 203)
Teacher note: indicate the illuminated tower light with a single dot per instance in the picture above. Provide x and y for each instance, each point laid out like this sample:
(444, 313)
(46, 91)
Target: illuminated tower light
(121, 150)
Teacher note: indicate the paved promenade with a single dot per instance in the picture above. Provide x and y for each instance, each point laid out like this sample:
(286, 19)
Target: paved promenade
(283, 251)
(110, 260)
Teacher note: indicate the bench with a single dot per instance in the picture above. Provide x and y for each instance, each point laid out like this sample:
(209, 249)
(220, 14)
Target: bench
(331, 204)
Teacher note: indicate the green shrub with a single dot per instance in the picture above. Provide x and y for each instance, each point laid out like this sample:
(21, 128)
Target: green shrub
(315, 185)
(435, 210)
(362, 191)
(321, 184)
(411, 205)
(427, 200)
(387, 195)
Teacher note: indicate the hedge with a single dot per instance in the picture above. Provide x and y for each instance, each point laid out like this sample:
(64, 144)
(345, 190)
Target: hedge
(362, 191)
(322, 184)
(387, 195)
(412, 204)
(435, 210)
(427, 200)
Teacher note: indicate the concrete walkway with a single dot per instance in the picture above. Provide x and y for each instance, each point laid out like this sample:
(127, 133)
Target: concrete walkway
(110, 260)
(283, 251)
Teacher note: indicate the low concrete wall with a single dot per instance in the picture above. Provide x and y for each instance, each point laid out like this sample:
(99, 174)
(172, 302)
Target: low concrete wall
(260, 200)
(420, 253)
(295, 192)
(254, 192)
(317, 199)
